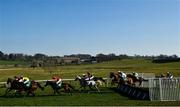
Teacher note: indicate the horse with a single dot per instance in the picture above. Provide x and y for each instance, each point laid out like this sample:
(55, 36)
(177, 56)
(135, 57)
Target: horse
(33, 88)
(84, 83)
(20, 86)
(115, 78)
(12, 84)
(99, 80)
(66, 86)
(134, 79)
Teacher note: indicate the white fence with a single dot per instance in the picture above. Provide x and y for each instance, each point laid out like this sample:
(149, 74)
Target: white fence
(164, 89)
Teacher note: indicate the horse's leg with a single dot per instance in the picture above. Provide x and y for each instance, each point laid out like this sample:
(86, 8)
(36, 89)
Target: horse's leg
(84, 88)
(90, 87)
(67, 89)
(7, 91)
(140, 82)
(97, 88)
(119, 84)
(32, 93)
(28, 93)
(70, 86)
(57, 91)
(17, 92)
(112, 82)
(54, 91)
(80, 88)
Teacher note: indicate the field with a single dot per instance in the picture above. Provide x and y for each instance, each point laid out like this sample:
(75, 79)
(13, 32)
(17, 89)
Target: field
(84, 99)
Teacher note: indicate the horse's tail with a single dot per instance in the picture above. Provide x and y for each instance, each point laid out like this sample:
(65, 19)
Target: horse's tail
(141, 78)
(99, 83)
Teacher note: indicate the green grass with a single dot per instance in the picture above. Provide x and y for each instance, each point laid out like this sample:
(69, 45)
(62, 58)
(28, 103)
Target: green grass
(84, 99)
(100, 69)
(46, 98)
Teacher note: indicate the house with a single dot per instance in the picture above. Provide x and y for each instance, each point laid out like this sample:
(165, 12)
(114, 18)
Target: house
(71, 60)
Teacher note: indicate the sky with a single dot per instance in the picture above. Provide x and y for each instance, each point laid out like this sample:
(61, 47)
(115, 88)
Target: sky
(64, 27)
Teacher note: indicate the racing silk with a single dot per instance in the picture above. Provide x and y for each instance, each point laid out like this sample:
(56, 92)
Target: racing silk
(26, 81)
(136, 75)
(86, 78)
(123, 76)
(89, 78)
(21, 79)
(58, 80)
(170, 76)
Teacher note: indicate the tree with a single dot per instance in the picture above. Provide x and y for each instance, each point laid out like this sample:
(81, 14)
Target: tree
(40, 56)
(1, 55)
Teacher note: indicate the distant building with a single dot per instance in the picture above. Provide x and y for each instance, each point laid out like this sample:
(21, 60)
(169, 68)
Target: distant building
(71, 60)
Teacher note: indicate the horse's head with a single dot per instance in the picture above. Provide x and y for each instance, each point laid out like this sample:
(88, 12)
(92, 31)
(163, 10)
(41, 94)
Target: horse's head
(111, 75)
(51, 83)
(77, 78)
(130, 76)
(47, 83)
(9, 80)
(35, 85)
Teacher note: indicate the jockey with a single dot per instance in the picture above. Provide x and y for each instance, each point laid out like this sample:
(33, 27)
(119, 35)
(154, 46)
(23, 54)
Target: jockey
(17, 78)
(26, 82)
(122, 75)
(136, 75)
(89, 77)
(169, 76)
(20, 78)
(58, 80)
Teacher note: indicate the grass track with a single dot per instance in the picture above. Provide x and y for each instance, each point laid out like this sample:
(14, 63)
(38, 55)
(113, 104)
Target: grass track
(84, 99)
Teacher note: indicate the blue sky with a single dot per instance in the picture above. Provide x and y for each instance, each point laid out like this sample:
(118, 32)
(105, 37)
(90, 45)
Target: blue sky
(59, 27)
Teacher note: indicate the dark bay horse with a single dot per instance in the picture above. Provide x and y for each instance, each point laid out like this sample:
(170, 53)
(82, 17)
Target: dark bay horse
(20, 87)
(134, 79)
(84, 83)
(12, 84)
(66, 86)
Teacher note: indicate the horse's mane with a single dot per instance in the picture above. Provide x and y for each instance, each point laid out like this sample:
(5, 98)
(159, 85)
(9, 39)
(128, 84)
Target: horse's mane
(130, 75)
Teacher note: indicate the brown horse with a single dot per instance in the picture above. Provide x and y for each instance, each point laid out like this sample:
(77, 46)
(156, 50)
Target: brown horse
(115, 78)
(34, 86)
(19, 87)
(66, 86)
(132, 79)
